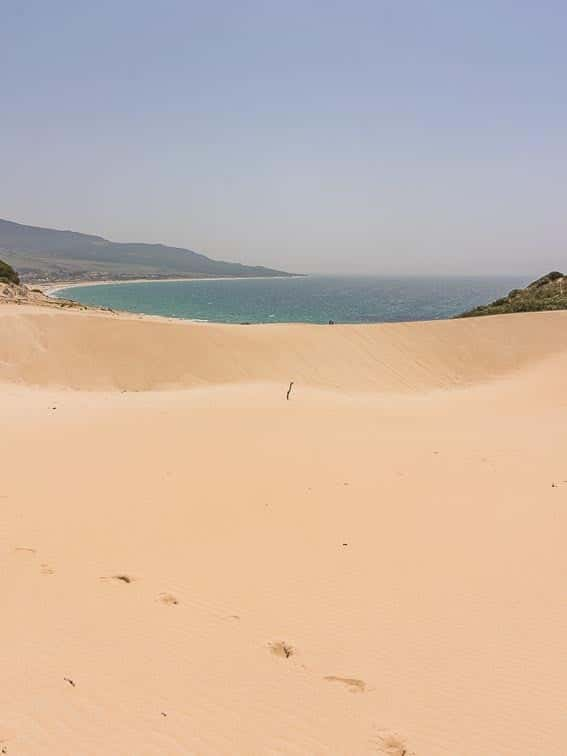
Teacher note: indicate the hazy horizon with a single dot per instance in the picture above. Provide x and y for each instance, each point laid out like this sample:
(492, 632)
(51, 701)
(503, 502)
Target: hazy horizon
(363, 138)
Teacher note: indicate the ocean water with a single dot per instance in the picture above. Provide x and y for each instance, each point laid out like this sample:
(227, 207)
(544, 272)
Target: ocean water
(312, 299)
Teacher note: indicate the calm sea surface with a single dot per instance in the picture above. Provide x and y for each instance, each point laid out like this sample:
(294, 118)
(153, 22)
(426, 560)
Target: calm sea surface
(313, 299)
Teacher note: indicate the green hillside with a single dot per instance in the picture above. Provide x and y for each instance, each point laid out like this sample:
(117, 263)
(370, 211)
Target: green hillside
(547, 293)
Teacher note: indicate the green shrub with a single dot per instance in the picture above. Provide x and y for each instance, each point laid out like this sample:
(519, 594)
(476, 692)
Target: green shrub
(8, 274)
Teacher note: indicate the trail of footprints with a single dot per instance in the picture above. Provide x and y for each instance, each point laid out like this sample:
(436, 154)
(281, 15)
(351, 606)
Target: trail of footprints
(45, 569)
(387, 743)
(285, 651)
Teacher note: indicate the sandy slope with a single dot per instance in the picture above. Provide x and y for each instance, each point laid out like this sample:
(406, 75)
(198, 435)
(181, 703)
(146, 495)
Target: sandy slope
(399, 523)
(94, 350)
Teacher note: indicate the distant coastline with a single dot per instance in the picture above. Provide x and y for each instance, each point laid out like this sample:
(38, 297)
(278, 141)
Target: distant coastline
(54, 286)
(48, 255)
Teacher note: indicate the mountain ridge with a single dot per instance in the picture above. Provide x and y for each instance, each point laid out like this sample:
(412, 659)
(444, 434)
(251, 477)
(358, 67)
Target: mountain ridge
(46, 254)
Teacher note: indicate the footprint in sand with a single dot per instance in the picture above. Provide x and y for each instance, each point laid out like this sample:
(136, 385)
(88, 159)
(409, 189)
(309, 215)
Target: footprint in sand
(392, 744)
(168, 599)
(354, 685)
(281, 649)
(118, 578)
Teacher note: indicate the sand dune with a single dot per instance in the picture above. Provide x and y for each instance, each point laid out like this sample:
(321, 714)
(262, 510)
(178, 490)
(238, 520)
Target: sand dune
(376, 566)
(90, 350)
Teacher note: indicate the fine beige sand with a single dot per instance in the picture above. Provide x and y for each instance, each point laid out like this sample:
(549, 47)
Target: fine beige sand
(191, 564)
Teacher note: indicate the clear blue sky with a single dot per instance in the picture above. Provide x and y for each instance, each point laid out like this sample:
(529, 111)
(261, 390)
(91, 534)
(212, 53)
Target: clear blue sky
(363, 136)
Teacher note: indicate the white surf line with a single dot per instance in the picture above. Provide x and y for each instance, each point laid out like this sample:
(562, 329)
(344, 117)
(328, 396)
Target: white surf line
(48, 290)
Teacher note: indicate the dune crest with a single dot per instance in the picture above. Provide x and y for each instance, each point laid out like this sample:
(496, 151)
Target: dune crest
(94, 350)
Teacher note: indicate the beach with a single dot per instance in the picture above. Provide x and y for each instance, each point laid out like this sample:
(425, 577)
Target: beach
(55, 286)
(191, 563)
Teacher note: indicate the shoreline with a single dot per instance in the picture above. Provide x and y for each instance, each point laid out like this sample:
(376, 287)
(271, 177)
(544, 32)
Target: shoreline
(56, 291)
(51, 288)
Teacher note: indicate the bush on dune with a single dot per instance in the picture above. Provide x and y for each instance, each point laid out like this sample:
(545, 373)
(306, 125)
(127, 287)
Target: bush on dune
(8, 274)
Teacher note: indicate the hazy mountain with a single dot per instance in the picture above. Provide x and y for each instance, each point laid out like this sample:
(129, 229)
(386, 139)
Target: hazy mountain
(47, 254)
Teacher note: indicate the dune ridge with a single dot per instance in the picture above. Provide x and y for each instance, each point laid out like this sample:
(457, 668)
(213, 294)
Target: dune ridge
(94, 350)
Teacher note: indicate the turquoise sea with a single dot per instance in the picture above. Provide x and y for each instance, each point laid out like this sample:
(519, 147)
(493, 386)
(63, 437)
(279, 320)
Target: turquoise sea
(310, 299)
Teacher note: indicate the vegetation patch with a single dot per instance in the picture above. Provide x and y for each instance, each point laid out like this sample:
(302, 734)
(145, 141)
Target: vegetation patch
(547, 293)
(8, 274)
